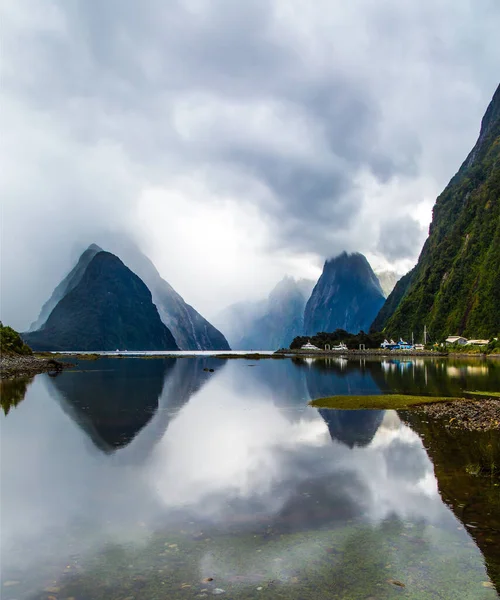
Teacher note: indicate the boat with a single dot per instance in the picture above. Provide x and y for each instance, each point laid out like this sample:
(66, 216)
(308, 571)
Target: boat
(340, 348)
(310, 347)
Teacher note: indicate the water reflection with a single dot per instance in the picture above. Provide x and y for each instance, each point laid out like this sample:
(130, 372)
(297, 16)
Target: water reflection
(113, 402)
(12, 392)
(227, 475)
(353, 428)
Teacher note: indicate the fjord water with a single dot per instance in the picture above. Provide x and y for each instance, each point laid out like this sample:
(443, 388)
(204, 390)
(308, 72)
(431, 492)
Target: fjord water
(158, 479)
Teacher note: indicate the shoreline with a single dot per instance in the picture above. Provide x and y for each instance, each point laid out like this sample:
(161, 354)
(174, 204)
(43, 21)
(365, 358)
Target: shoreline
(251, 355)
(26, 365)
(17, 365)
(467, 414)
(474, 411)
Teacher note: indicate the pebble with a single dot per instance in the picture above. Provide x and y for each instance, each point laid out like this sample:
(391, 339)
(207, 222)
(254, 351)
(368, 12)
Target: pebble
(471, 415)
(396, 582)
(218, 591)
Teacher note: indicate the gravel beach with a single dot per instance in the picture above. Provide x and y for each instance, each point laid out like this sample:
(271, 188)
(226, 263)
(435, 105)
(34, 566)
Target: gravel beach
(17, 365)
(472, 415)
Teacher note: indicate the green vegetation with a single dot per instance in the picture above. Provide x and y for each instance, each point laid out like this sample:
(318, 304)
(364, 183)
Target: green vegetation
(379, 402)
(455, 287)
(11, 342)
(484, 394)
(494, 345)
(60, 355)
(351, 340)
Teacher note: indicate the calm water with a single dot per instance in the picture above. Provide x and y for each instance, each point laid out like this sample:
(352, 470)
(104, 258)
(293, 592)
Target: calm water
(132, 479)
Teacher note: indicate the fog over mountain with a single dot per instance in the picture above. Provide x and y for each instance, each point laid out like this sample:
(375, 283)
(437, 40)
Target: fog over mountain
(233, 141)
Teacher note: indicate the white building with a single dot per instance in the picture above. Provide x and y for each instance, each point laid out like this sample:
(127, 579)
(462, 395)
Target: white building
(478, 342)
(456, 339)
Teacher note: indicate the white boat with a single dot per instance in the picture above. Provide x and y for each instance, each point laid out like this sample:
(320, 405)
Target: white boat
(340, 348)
(310, 346)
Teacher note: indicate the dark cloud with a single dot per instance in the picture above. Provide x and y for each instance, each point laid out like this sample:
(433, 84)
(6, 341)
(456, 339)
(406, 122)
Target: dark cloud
(399, 237)
(302, 115)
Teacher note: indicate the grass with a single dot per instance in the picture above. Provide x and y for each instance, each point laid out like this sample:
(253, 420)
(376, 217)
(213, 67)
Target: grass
(60, 355)
(381, 402)
(484, 394)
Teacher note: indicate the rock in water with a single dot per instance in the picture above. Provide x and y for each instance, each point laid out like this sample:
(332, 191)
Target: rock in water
(109, 308)
(347, 296)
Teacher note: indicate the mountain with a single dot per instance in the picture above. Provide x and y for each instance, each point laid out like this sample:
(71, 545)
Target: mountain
(274, 322)
(388, 280)
(67, 284)
(347, 296)
(109, 308)
(392, 302)
(190, 330)
(455, 286)
(237, 320)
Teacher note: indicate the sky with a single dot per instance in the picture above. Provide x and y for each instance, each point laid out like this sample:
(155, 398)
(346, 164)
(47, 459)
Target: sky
(235, 142)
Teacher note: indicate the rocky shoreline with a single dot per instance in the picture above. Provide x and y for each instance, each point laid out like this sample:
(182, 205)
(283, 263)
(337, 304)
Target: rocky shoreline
(23, 365)
(469, 414)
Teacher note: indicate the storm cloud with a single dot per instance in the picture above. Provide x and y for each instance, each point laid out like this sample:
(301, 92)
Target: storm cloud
(234, 141)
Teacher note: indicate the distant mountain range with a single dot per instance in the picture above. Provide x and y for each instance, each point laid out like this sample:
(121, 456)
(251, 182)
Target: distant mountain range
(103, 305)
(271, 323)
(106, 304)
(455, 286)
(348, 295)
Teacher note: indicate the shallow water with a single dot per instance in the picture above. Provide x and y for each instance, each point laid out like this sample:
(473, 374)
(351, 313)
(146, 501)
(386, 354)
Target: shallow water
(155, 479)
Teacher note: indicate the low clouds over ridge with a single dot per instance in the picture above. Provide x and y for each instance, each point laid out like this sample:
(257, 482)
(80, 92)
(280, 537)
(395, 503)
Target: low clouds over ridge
(265, 135)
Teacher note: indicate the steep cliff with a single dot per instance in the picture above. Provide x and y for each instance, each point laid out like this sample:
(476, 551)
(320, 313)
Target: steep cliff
(455, 286)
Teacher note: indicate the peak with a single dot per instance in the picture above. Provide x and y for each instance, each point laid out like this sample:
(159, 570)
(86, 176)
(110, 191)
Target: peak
(347, 258)
(492, 114)
(94, 248)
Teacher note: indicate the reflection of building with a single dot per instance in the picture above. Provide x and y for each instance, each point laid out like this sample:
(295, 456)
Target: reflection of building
(477, 370)
(453, 371)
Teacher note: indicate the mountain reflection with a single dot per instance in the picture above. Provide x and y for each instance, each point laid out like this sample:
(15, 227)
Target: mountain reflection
(352, 427)
(113, 402)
